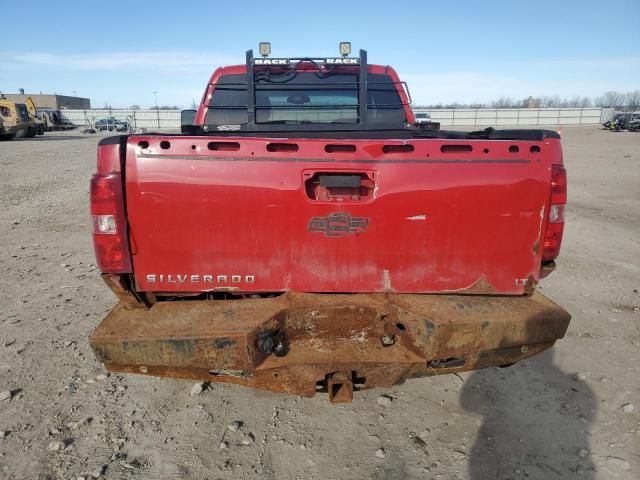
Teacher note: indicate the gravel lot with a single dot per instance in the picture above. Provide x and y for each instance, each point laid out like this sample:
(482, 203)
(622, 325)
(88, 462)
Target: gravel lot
(571, 412)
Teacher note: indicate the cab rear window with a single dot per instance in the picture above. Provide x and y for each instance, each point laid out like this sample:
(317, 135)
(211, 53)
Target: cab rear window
(305, 97)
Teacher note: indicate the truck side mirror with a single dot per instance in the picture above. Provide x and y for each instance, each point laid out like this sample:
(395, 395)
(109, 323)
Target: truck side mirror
(186, 121)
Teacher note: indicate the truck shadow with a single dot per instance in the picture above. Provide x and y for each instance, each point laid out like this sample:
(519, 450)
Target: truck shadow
(535, 422)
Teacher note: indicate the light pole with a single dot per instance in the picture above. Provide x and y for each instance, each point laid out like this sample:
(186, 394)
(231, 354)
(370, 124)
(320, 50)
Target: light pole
(155, 99)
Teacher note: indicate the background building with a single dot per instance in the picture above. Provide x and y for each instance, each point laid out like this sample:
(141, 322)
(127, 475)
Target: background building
(52, 101)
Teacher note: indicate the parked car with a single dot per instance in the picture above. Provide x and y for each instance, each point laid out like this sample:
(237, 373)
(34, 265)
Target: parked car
(423, 121)
(422, 117)
(112, 124)
(634, 125)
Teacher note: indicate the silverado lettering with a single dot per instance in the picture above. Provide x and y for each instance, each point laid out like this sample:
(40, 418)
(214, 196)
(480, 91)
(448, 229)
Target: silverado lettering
(177, 278)
(381, 248)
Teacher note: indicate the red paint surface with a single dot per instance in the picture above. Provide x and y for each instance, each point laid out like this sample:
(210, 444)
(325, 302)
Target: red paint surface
(437, 222)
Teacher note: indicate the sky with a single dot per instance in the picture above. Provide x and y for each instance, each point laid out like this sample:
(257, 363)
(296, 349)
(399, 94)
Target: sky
(466, 51)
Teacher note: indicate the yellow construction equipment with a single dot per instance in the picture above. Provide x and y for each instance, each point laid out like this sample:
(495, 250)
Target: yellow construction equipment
(16, 119)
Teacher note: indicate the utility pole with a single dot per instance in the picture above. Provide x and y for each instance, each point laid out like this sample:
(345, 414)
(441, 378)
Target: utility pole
(155, 99)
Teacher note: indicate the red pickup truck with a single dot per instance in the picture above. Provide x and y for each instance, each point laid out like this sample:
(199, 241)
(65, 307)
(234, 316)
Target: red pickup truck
(304, 234)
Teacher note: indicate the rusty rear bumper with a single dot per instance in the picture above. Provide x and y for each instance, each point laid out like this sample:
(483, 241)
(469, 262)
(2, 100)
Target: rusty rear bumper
(304, 343)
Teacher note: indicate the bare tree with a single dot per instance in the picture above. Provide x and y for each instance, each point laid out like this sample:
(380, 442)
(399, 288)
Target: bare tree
(531, 102)
(553, 102)
(504, 102)
(585, 102)
(611, 99)
(134, 107)
(165, 107)
(632, 100)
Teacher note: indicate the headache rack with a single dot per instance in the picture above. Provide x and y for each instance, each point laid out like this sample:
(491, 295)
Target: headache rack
(267, 75)
(362, 83)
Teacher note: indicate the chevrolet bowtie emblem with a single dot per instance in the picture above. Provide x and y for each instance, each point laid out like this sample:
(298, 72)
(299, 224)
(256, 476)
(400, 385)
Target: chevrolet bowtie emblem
(338, 225)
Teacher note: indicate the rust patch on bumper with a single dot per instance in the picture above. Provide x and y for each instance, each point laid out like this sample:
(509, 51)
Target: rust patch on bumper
(304, 343)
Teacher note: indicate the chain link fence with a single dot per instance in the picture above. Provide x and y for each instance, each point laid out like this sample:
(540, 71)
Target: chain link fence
(149, 119)
(489, 117)
(170, 119)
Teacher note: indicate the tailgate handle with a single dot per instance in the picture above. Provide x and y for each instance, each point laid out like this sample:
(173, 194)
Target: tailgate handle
(340, 186)
(340, 181)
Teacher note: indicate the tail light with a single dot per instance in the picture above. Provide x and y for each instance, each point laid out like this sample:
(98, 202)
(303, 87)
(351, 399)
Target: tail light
(109, 227)
(555, 223)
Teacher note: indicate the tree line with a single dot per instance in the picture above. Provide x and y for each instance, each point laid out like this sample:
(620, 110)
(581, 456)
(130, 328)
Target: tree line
(610, 99)
(107, 106)
(156, 107)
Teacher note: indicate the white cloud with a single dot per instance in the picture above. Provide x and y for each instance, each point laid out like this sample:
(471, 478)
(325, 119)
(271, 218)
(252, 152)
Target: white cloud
(118, 60)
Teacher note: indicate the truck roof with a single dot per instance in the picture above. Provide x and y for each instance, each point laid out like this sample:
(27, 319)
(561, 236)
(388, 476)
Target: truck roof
(240, 69)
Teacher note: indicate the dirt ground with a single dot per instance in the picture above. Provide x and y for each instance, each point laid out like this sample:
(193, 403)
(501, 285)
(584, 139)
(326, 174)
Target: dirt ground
(571, 412)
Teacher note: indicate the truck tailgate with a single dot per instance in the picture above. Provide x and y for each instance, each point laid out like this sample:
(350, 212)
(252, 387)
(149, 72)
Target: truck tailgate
(270, 215)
